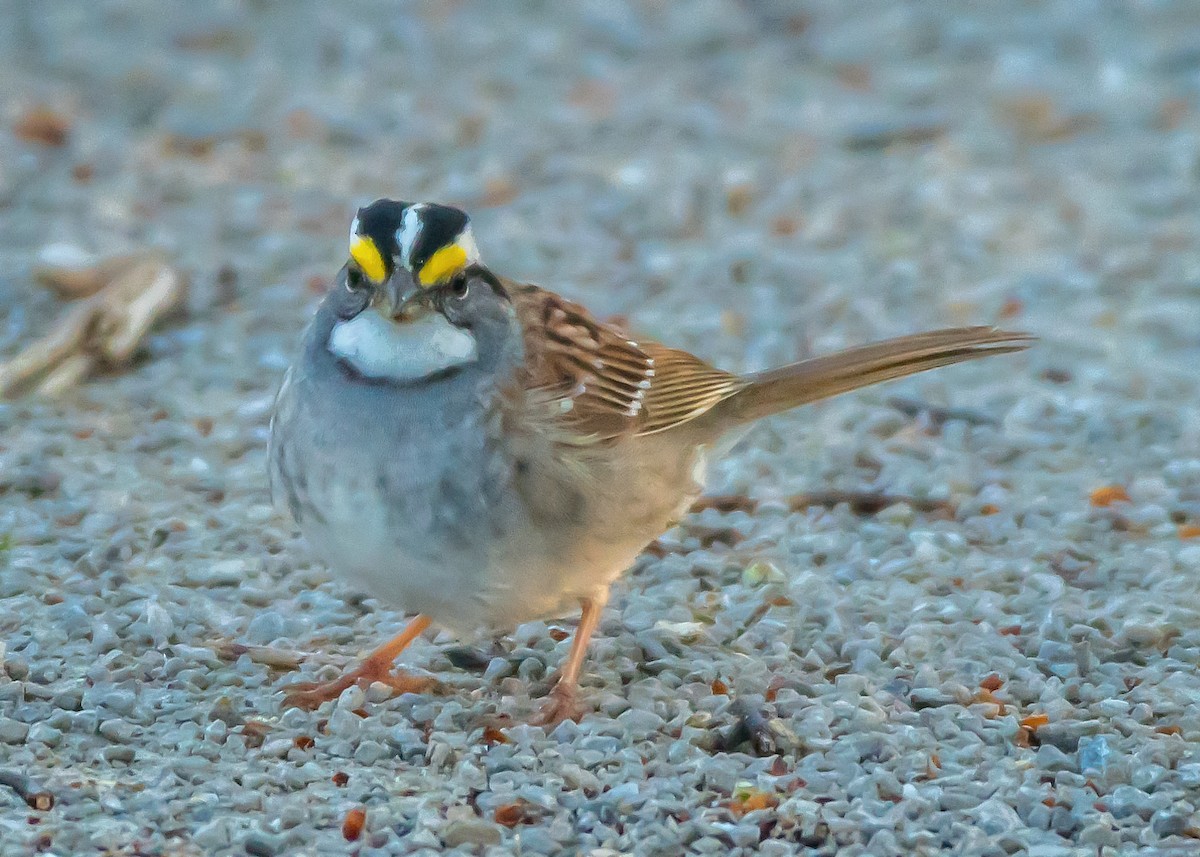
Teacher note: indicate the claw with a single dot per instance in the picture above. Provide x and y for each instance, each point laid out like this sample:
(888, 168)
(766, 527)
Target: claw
(310, 695)
(561, 704)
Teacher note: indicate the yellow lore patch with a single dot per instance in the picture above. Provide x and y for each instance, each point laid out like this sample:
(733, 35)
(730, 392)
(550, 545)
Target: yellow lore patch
(444, 263)
(367, 255)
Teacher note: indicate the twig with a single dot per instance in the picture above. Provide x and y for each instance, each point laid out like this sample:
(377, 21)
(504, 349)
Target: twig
(939, 415)
(867, 502)
(725, 503)
(860, 502)
(276, 659)
(72, 274)
(120, 300)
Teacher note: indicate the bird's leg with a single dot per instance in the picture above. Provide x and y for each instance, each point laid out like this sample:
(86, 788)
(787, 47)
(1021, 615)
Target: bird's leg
(563, 701)
(376, 667)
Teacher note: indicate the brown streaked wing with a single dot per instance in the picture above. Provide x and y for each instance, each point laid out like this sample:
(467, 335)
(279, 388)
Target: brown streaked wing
(683, 388)
(599, 384)
(589, 376)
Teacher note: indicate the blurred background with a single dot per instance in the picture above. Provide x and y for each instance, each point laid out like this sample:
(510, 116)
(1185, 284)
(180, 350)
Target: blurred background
(756, 180)
(801, 164)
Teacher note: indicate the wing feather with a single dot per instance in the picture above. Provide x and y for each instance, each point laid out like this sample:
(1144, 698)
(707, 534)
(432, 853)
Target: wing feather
(589, 379)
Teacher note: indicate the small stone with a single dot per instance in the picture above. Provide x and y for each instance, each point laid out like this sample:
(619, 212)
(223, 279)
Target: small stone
(224, 711)
(17, 668)
(1141, 634)
(536, 840)
(116, 700)
(351, 699)
(1065, 734)
(118, 753)
(1169, 823)
(1189, 775)
(1093, 754)
(1052, 651)
(497, 668)
(1050, 758)
(892, 131)
(369, 752)
(470, 832)
(45, 734)
(1147, 777)
(265, 627)
(640, 723)
(378, 692)
(1099, 834)
(929, 697)
(763, 571)
(1127, 800)
(117, 730)
(225, 572)
(262, 845)
(277, 748)
(156, 623)
(214, 835)
(1048, 849)
(216, 732)
(625, 796)
(996, 817)
(68, 700)
(13, 731)
(957, 801)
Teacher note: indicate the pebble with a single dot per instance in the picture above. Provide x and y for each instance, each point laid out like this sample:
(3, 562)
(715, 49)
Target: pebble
(369, 752)
(13, 731)
(226, 572)
(266, 627)
(1093, 754)
(115, 700)
(1127, 800)
(1047, 849)
(1168, 823)
(118, 754)
(119, 731)
(262, 845)
(157, 623)
(276, 748)
(469, 832)
(45, 734)
(17, 668)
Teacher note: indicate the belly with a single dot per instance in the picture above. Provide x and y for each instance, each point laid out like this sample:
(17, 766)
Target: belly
(494, 577)
(430, 519)
(466, 560)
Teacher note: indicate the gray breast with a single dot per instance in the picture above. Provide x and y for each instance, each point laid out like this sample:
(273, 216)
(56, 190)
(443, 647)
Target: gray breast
(424, 457)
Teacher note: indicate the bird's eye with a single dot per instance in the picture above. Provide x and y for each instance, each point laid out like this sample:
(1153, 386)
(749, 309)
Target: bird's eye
(459, 286)
(354, 279)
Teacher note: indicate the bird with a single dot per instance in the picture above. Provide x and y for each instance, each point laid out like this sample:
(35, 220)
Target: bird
(483, 452)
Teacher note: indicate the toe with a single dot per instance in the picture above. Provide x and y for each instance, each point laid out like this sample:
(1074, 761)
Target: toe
(560, 705)
(401, 683)
(310, 695)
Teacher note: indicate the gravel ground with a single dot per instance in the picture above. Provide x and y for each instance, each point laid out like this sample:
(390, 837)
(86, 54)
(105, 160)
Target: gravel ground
(1010, 670)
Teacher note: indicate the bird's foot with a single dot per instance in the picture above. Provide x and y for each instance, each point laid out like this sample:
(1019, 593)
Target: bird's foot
(562, 703)
(311, 694)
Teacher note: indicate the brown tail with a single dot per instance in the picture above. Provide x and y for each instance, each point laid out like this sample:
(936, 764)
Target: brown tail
(820, 377)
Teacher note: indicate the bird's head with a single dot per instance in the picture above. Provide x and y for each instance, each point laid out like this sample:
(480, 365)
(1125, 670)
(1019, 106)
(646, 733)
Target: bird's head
(401, 251)
(419, 303)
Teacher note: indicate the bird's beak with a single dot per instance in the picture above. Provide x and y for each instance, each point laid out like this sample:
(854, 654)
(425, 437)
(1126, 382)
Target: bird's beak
(402, 294)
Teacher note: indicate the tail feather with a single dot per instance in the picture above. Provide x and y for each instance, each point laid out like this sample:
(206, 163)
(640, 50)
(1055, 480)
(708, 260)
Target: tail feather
(821, 377)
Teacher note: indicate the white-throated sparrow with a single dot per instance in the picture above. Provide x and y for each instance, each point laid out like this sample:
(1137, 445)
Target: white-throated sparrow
(484, 452)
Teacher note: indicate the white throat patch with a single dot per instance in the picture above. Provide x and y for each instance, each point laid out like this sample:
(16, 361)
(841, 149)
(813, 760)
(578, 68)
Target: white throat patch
(383, 349)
